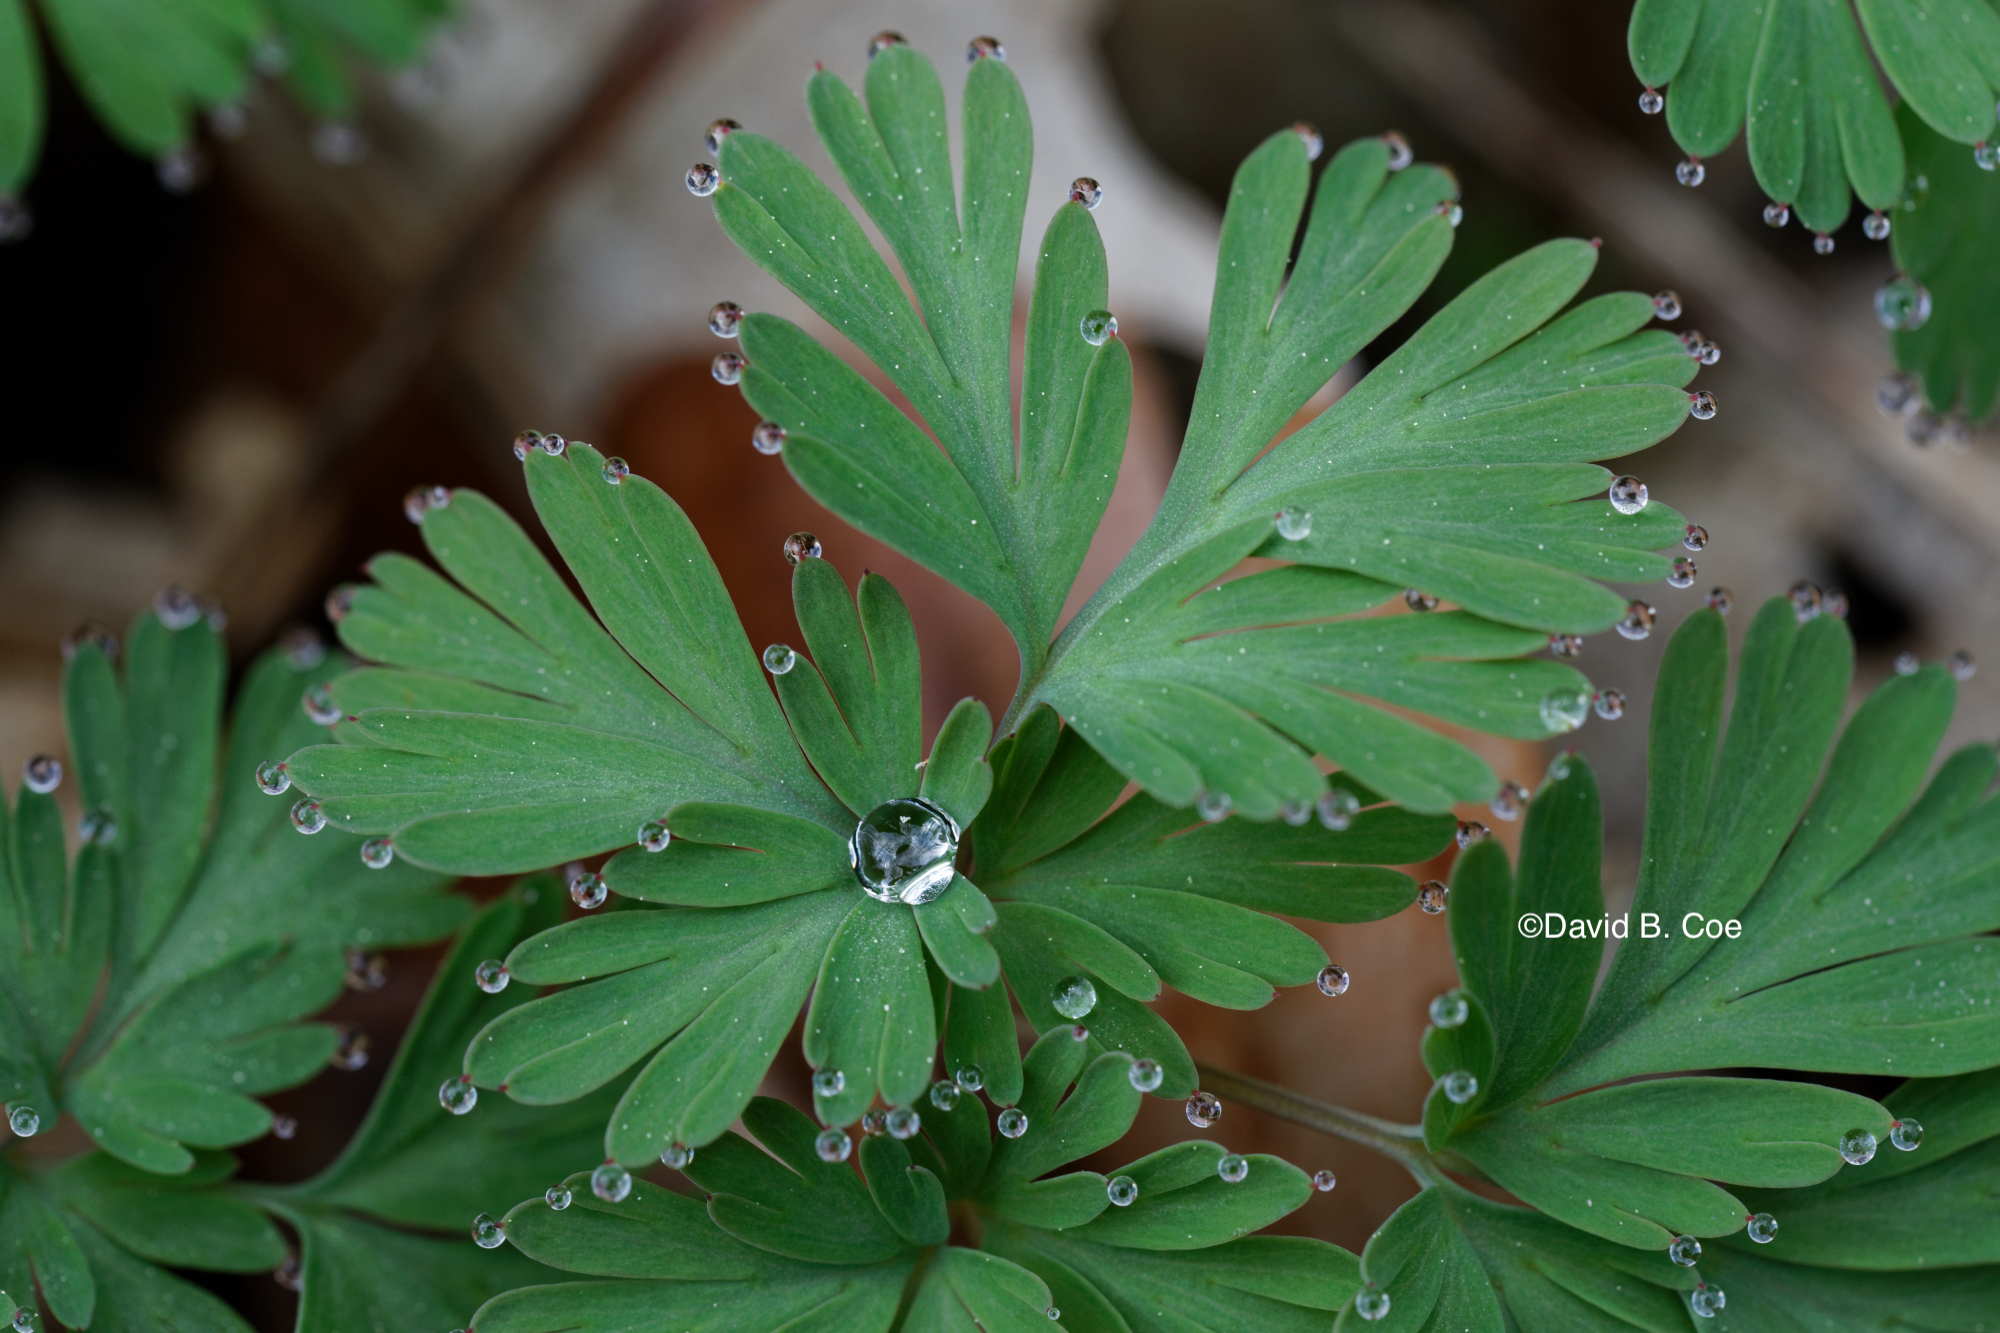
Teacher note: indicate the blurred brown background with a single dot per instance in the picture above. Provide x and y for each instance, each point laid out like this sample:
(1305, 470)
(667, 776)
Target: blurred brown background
(233, 387)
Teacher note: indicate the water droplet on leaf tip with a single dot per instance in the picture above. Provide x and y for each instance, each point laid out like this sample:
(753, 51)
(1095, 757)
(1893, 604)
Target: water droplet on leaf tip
(984, 48)
(1450, 210)
(611, 1182)
(1651, 102)
(615, 470)
(1296, 813)
(367, 970)
(350, 1048)
(1681, 574)
(1667, 305)
(526, 443)
(1961, 666)
(1762, 1228)
(1434, 896)
(717, 131)
(801, 546)
(1876, 226)
(1906, 663)
(272, 779)
(1509, 802)
(1086, 191)
(307, 817)
(882, 41)
(1053, 1313)
(1684, 1250)
(1418, 600)
(1323, 1180)
(1895, 394)
(23, 1119)
(284, 1126)
(1460, 1086)
(1609, 704)
(420, 500)
(1906, 1134)
(676, 1155)
(42, 774)
(1834, 603)
(1371, 1303)
(90, 634)
(1213, 806)
(1400, 155)
(1310, 136)
(1123, 1191)
(1985, 156)
(902, 1122)
(1696, 537)
(588, 891)
(1294, 524)
(727, 367)
(833, 1145)
(1233, 1167)
(654, 836)
(1719, 600)
(725, 319)
(1079, 1033)
(1450, 1010)
(1098, 327)
(944, 1094)
(557, 1197)
(1073, 997)
(1776, 214)
(1637, 622)
(1705, 1300)
(779, 658)
(768, 437)
(1822, 244)
(1902, 303)
(1628, 495)
(970, 1078)
(1146, 1075)
(377, 853)
(487, 1234)
(702, 178)
(1012, 1123)
(491, 976)
(1204, 1109)
(1564, 710)
(1701, 405)
(1333, 980)
(1690, 172)
(1566, 645)
(828, 1082)
(176, 607)
(1337, 807)
(1806, 600)
(321, 707)
(457, 1095)
(902, 851)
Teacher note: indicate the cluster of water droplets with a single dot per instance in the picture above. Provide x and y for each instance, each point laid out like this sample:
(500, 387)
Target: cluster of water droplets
(1703, 349)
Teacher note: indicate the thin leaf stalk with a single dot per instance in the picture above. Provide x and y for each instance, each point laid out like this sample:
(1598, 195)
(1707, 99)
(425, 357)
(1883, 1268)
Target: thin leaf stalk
(1402, 1143)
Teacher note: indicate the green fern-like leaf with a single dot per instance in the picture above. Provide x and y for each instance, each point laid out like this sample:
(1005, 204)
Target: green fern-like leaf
(1942, 231)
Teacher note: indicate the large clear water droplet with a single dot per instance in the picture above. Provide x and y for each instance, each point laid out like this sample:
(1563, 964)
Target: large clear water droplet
(1690, 172)
(654, 836)
(1146, 1075)
(828, 1082)
(1083, 190)
(318, 701)
(1400, 155)
(1294, 523)
(1099, 327)
(1509, 802)
(1857, 1147)
(487, 1234)
(1434, 896)
(557, 1197)
(833, 1145)
(614, 471)
(1629, 495)
(801, 546)
(1371, 1303)
(1233, 1168)
(944, 1094)
(1684, 1250)
(1701, 406)
(1204, 1109)
(1323, 1180)
(779, 658)
(457, 1095)
(1450, 1010)
(42, 774)
(377, 853)
(611, 1182)
(1902, 303)
(1705, 1300)
(1667, 305)
(1333, 980)
(23, 1119)
(1073, 997)
(902, 1122)
(1214, 806)
(1876, 226)
(1762, 1228)
(491, 976)
(350, 1048)
(727, 368)
(1012, 1123)
(903, 851)
(1637, 622)
(1608, 704)
(768, 437)
(272, 779)
(725, 319)
(702, 178)
(1123, 1191)
(1651, 103)
(1460, 1086)
(1564, 710)
(552, 444)
(588, 890)
(970, 1078)
(1337, 807)
(676, 1155)
(984, 48)
(307, 817)
(1822, 244)
(1776, 214)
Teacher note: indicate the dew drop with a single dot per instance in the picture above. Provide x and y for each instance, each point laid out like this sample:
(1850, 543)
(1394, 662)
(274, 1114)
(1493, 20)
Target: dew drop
(1123, 1191)
(970, 1078)
(366, 970)
(487, 1234)
(457, 1095)
(90, 634)
(801, 546)
(1433, 896)
(1895, 393)
(1961, 666)
(1690, 172)
(1233, 1168)
(611, 1182)
(1610, 704)
(491, 976)
(833, 1145)
(42, 774)
(526, 443)
(1294, 524)
(727, 368)
(1083, 190)
(1719, 600)
(1073, 997)
(1146, 1075)
(1371, 1303)
(1564, 710)
(902, 1122)
(557, 1197)
(377, 853)
(1776, 214)
(588, 890)
(1762, 1228)
(1460, 1087)
(307, 817)
(779, 658)
(1701, 405)
(984, 48)
(1418, 600)
(1667, 305)
(1213, 806)
(1822, 244)
(1053, 1313)
(1806, 600)
(1857, 1147)
(1333, 980)
(1323, 1180)
(1450, 1010)
(272, 779)
(179, 170)
(875, 1123)
(883, 40)
(23, 1119)
(1204, 1109)
(17, 223)
(350, 1049)
(1696, 537)
(1310, 136)
(717, 131)
(676, 1155)
(702, 178)
(1296, 813)
(1637, 621)
(1651, 102)
(284, 1126)
(1834, 603)
(1902, 303)
(1705, 1300)
(944, 1094)
(1684, 1250)
(1337, 807)
(654, 836)
(828, 1082)
(1012, 1123)
(725, 319)
(615, 470)
(176, 607)
(1098, 327)
(1629, 495)
(1509, 802)
(1905, 1134)
(552, 444)
(1700, 348)
(420, 500)
(1471, 831)
(1876, 226)
(1400, 155)
(320, 706)
(286, 1275)
(1985, 156)
(902, 851)
(768, 437)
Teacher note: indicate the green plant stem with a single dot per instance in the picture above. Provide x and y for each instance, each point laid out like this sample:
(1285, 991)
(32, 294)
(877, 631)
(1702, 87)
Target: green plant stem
(1403, 1143)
